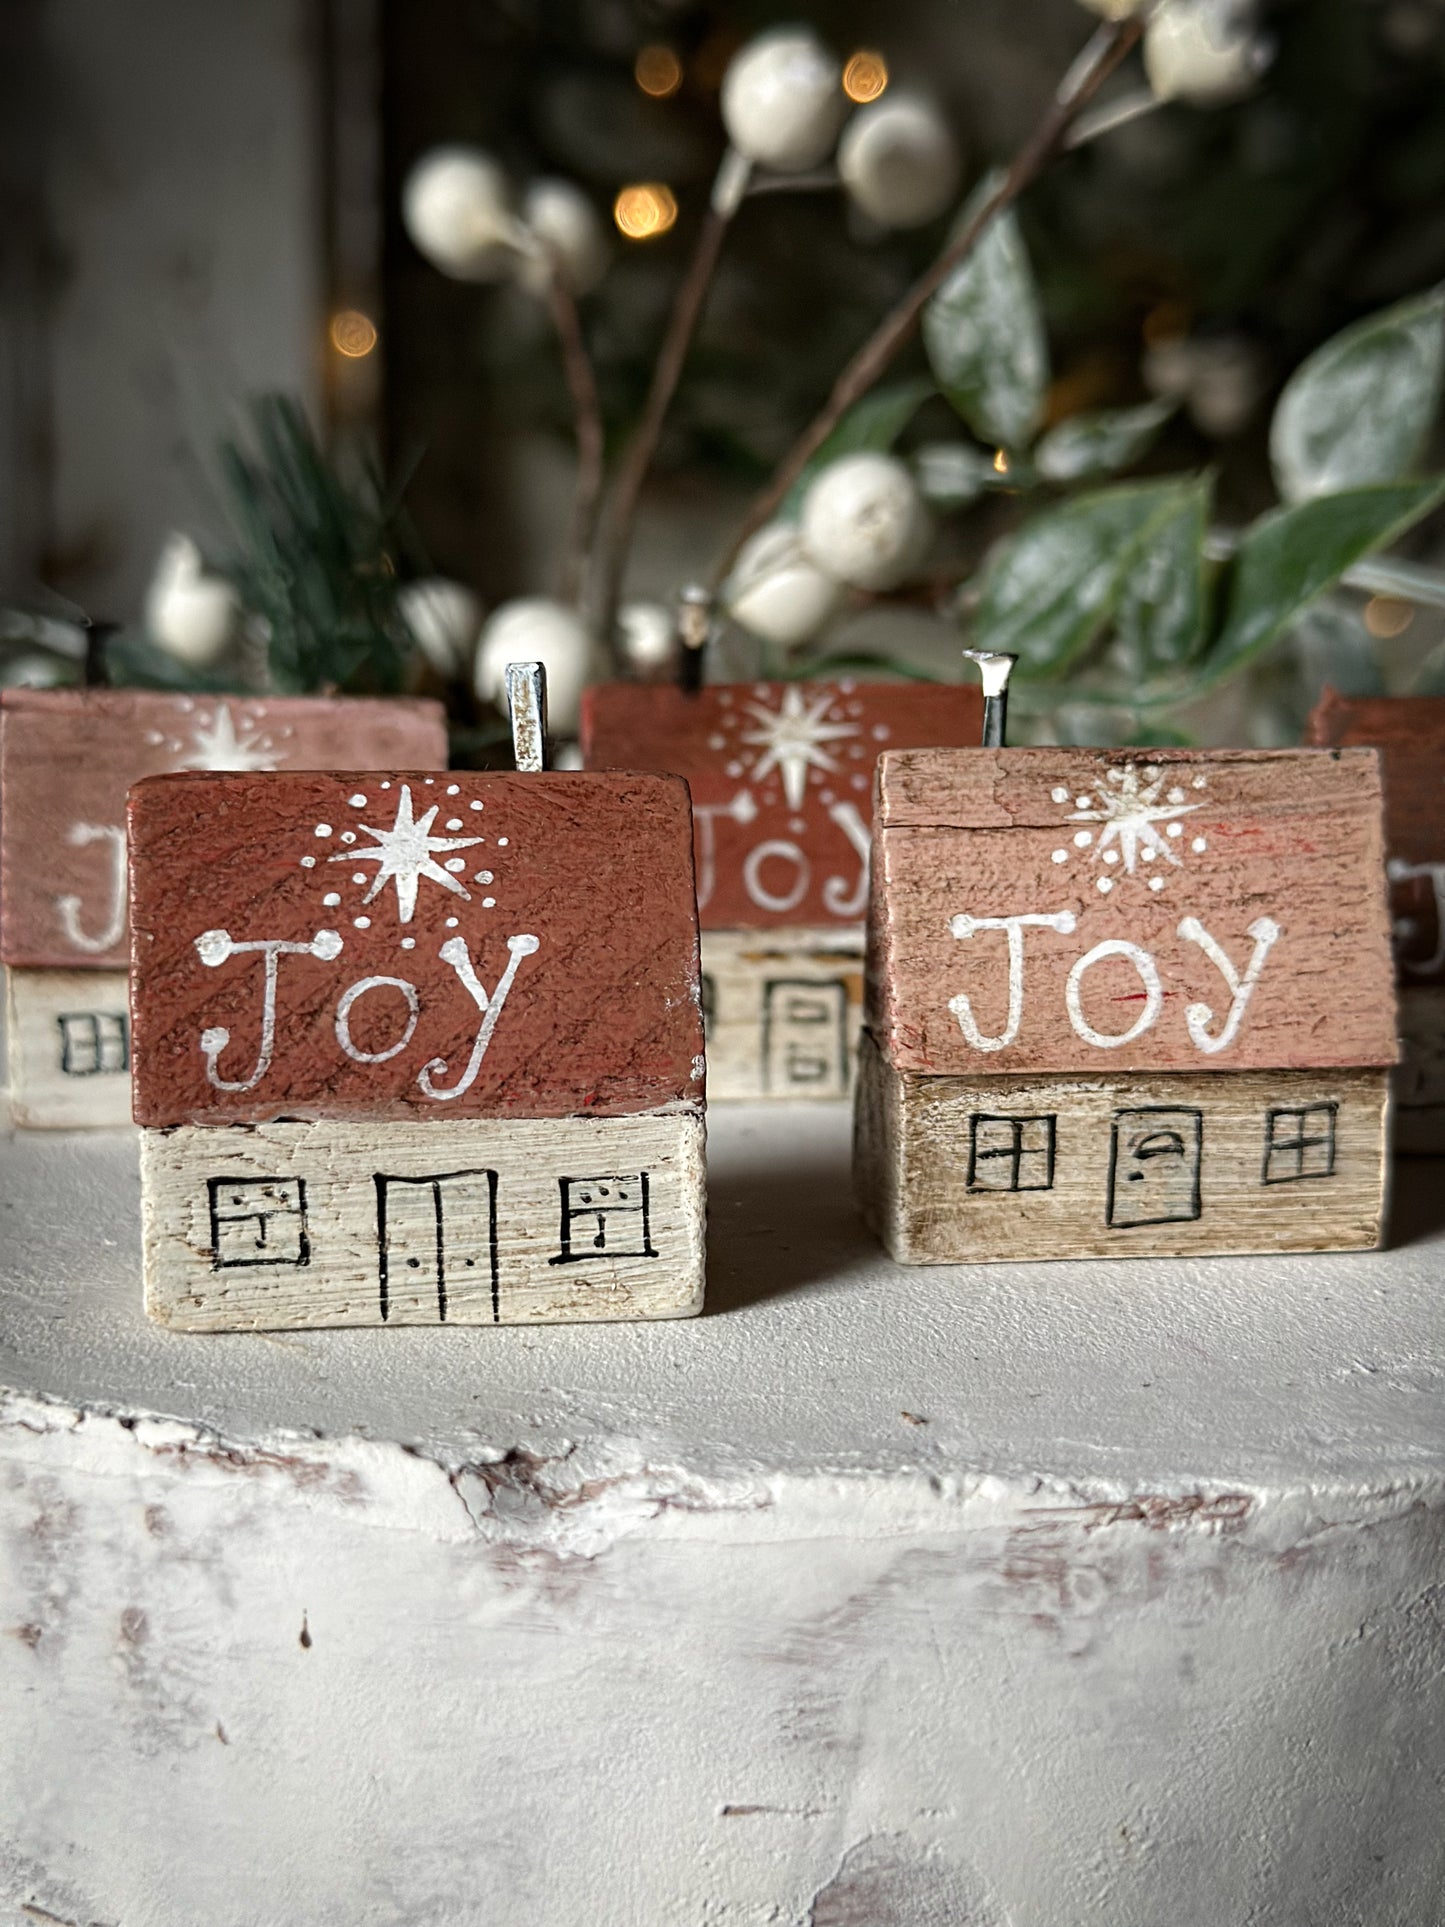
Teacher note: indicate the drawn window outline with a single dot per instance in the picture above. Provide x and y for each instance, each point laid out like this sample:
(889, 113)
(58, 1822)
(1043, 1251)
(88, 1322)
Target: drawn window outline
(831, 991)
(227, 1200)
(383, 1182)
(1146, 1150)
(1015, 1155)
(1302, 1143)
(593, 1207)
(101, 1035)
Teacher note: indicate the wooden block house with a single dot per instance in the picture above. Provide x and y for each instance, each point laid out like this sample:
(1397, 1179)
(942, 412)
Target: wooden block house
(416, 1049)
(1125, 1003)
(781, 779)
(1409, 733)
(67, 759)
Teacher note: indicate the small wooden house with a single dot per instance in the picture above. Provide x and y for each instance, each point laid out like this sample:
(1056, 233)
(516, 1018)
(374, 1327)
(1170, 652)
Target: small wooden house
(416, 1048)
(781, 777)
(67, 758)
(1409, 733)
(1125, 1003)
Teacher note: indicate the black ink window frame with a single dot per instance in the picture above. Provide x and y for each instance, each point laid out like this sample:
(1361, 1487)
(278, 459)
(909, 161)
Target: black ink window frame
(1015, 1151)
(571, 1213)
(1300, 1144)
(838, 993)
(96, 1042)
(383, 1180)
(215, 1186)
(1196, 1192)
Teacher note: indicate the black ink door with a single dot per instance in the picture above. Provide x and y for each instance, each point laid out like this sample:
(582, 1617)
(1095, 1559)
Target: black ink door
(435, 1236)
(1154, 1163)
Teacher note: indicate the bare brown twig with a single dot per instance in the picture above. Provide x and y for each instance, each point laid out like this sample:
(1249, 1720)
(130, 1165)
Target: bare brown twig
(1081, 85)
(587, 419)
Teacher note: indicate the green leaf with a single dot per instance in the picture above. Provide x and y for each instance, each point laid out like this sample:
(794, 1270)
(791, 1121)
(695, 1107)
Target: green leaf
(952, 474)
(1049, 592)
(1359, 410)
(873, 424)
(1100, 443)
(1294, 554)
(1163, 604)
(984, 332)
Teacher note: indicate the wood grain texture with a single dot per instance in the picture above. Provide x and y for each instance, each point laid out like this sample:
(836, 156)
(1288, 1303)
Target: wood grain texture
(1187, 910)
(68, 757)
(1118, 1166)
(1419, 1083)
(68, 1045)
(475, 1222)
(782, 1010)
(1409, 733)
(542, 963)
(781, 780)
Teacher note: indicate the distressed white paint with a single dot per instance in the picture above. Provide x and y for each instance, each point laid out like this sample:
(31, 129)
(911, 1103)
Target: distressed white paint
(690, 1623)
(69, 1049)
(783, 1012)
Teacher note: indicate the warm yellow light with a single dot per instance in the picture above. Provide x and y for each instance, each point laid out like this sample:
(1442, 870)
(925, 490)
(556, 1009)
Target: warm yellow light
(657, 71)
(645, 210)
(865, 76)
(353, 334)
(1388, 615)
(1000, 463)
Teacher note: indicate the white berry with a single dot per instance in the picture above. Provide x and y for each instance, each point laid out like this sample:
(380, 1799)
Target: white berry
(443, 618)
(561, 218)
(899, 161)
(777, 591)
(1205, 52)
(783, 100)
(864, 522)
(646, 637)
(536, 629)
(189, 614)
(457, 209)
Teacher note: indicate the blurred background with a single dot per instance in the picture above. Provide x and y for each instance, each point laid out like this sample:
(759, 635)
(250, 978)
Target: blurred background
(203, 204)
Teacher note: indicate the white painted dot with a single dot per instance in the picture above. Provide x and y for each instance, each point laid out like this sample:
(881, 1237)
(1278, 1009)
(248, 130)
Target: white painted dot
(453, 789)
(1083, 838)
(1147, 853)
(361, 923)
(428, 780)
(1104, 885)
(1151, 772)
(348, 836)
(331, 899)
(1061, 856)
(1174, 830)
(827, 796)
(859, 782)
(1059, 794)
(323, 829)
(474, 805)
(455, 863)
(451, 923)
(308, 863)
(502, 842)
(733, 769)
(454, 822)
(1110, 856)
(408, 943)
(1081, 802)
(483, 876)
(357, 802)
(386, 786)
(796, 825)
(1199, 845)
(1156, 883)
(1200, 782)
(881, 732)
(489, 903)
(1176, 795)
(358, 876)
(717, 742)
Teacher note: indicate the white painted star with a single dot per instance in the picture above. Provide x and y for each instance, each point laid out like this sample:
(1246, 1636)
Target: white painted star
(218, 745)
(404, 854)
(1129, 812)
(792, 739)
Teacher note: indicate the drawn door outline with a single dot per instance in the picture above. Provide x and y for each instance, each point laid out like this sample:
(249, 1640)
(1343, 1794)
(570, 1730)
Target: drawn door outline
(437, 1236)
(1168, 1131)
(832, 1026)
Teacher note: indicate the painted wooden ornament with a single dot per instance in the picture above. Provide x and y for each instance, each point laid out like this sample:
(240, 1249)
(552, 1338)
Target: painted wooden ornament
(418, 1048)
(1409, 733)
(780, 775)
(1125, 1002)
(67, 758)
